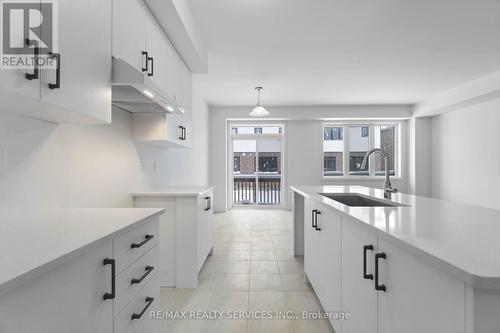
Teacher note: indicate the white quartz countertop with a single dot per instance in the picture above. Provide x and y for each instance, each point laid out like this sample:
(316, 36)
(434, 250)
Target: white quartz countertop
(174, 191)
(35, 242)
(461, 239)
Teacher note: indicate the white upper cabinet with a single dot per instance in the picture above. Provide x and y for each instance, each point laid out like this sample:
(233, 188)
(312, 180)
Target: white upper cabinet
(80, 84)
(129, 31)
(162, 59)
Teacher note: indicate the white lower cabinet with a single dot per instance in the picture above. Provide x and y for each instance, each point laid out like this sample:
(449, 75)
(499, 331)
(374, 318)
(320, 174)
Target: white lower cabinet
(322, 255)
(186, 233)
(79, 297)
(418, 297)
(341, 258)
(359, 297)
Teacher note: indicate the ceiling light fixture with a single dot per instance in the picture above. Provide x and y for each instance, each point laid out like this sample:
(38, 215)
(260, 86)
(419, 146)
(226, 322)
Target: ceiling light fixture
(259, 110)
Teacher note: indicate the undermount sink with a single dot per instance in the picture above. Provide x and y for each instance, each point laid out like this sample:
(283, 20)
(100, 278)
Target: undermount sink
(359, 200)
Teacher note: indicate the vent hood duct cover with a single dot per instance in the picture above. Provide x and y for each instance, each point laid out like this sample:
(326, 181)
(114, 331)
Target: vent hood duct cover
(134, 92)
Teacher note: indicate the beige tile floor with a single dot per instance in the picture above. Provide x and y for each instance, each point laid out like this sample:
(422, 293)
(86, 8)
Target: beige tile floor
(252, 268)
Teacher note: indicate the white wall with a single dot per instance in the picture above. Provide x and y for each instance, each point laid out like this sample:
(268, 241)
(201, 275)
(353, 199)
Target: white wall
(303, 142)
(52, 165)
(465, 155)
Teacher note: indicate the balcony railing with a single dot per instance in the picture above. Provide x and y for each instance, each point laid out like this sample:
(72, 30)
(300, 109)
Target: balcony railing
(246, 192)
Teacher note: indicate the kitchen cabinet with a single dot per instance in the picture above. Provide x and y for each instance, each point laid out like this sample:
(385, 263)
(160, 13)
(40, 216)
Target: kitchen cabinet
(418, 297)
(359, 298)
(129, 31)
(139, 40)
(67, 299)
(322, 258)
(186, 232)
(96, 291)
(163, 66)
(79, 90)
(165, 130)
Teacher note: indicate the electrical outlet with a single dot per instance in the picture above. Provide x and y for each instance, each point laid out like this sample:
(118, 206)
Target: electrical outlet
(3, 162)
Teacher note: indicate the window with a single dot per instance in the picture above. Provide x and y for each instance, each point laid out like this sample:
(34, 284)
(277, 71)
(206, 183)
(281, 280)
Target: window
(333, 147)
(333, 133)
(258, 130)
(261, 129)
(353, 142)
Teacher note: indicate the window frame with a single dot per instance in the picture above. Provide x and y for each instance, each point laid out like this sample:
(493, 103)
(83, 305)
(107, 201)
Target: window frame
(370, 124)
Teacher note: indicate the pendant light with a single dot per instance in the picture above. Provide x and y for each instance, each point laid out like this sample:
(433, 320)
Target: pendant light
(259, 110)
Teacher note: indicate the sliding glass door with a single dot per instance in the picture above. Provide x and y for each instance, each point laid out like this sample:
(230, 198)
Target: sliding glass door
(257, 166)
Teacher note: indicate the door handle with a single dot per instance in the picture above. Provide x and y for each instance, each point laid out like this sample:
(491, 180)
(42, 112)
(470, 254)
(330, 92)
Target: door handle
(56, 85)
(36, 53)
(379, 287)
(149, 269)
(316, 225)
(149, 301)
(112, 294)
(147, 238)
(145, 63)
(366, 276)
(208, 203)
(182, 132)
(151, 72)
(313, 218)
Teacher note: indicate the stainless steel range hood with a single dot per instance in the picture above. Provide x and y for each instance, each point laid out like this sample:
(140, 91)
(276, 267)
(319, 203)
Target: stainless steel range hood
(134, 92)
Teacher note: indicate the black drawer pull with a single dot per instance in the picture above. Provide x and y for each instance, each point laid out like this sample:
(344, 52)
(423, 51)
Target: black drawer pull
(112, 294)
(366, 276)
(145, 66)
(56, 85)
(184, 133)
(149, 269)
(149, 301)
(36, 53)
(316, 224)
(380, 287)
(147, 238)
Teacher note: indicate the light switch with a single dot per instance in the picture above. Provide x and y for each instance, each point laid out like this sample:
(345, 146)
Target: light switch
(3, 162)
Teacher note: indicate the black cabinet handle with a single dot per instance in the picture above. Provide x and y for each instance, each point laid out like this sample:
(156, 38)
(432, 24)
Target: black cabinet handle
(149, 269)
(316, 224)
(151, 72)
(145, 66)
(112, 294)
(208, 203)
(366, 276)
(380, 287)
(313, 218)
(36, 53)
(147, 238)
(149, 301)
(56, 85)
(182, 132)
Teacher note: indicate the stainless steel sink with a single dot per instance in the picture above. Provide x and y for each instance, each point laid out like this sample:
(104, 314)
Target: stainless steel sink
(359, 200)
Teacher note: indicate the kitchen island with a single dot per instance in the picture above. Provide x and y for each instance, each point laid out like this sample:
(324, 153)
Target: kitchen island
(412, 264)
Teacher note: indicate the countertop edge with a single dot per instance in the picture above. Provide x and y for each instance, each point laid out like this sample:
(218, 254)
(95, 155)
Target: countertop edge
(46, 267)
(478, 281)
(167, 193)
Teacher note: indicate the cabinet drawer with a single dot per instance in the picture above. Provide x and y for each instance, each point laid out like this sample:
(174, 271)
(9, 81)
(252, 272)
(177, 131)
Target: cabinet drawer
(123, 320)
(149, 326)
(141, 271)
(134, 244)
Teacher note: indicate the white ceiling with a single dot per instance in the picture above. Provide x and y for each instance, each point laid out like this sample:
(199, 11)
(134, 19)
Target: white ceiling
(322, 52)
